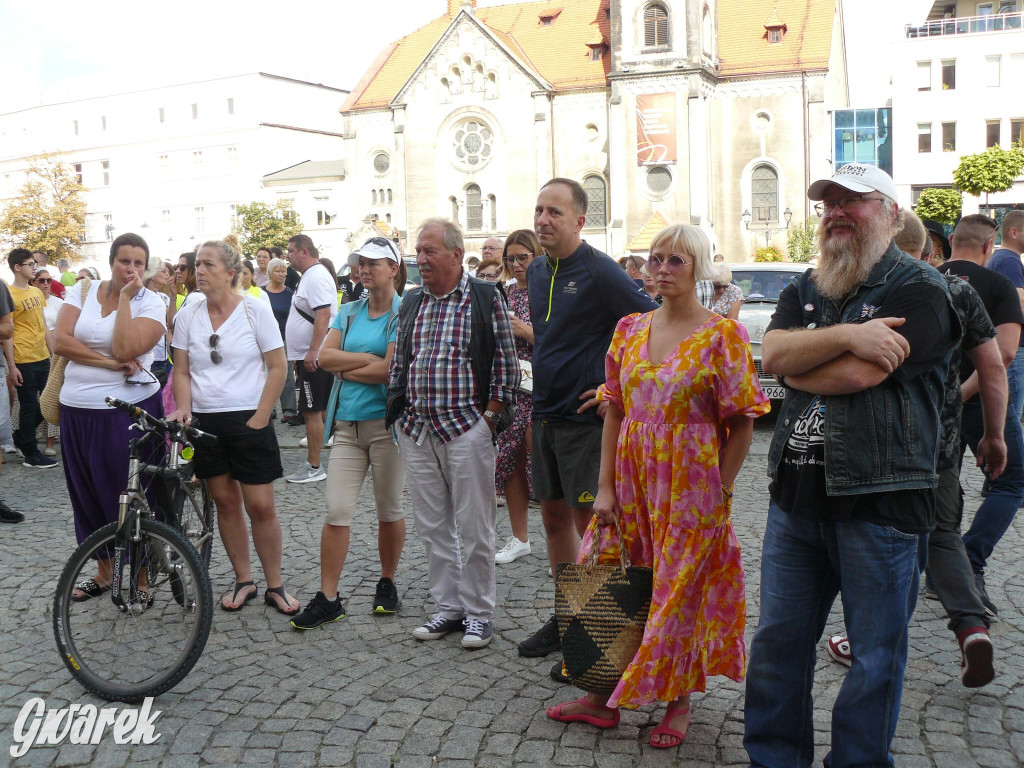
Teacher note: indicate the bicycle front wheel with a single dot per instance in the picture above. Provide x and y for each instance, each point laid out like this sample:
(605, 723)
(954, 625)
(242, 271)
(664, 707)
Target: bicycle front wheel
(196, 515)
(147, 647)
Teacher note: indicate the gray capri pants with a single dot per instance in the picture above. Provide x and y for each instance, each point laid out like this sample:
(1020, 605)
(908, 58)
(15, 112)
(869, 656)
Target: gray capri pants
(358, 446)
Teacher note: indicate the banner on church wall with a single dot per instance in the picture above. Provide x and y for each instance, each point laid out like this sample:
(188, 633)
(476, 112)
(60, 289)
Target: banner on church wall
(655, 128)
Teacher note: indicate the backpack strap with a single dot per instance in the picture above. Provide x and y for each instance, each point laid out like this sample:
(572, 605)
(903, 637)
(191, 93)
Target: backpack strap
(396, 393)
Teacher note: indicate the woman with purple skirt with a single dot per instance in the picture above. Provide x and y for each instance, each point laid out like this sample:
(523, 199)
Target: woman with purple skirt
(107, 336)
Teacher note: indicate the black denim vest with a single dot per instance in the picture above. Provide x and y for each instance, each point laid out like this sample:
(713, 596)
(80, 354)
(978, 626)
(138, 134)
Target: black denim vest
(886, 437)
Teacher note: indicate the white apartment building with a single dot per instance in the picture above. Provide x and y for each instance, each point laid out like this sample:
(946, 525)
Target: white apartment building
(172, 163)
(958, 87)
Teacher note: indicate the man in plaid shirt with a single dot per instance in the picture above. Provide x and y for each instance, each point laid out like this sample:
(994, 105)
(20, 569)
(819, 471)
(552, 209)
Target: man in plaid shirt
(447, 443)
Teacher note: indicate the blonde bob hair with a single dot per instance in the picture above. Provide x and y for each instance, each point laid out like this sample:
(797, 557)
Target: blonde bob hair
(684, 239)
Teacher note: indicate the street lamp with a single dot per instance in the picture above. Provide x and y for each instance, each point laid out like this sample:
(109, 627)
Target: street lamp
(768, 230)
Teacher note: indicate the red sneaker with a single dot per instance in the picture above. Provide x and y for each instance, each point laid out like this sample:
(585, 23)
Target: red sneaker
(976, 657)
(839, 649)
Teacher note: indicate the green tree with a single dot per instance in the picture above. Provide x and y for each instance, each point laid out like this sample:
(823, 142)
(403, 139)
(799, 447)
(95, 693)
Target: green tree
(261, 225)
(993, 170)
(802, 241)
(771, 253)
(942, 205)
(48, 213)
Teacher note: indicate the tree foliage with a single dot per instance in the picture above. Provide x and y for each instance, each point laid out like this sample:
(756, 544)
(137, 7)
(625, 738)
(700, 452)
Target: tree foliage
(802, 241)
(942, 205)
(48, 213)
(771, 253)
(262, 225)
(993, 170)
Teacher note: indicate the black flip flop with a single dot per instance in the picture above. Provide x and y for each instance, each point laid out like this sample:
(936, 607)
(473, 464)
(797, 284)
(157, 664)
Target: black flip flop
(239, 586)
(89, 588)
(279, 591)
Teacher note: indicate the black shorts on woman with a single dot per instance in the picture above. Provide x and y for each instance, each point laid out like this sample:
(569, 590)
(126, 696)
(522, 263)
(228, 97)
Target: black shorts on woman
(250, 456)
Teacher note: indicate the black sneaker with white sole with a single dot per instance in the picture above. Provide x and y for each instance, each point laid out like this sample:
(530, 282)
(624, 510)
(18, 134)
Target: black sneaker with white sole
(385, 600)
(38, 461)
(438, 627)
(320, 611)
(544, 641)
(8, 515)
(990, 608)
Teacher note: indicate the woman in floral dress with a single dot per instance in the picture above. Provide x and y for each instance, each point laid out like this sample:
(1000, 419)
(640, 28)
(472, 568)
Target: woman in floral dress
(682, 395)
(512, 469)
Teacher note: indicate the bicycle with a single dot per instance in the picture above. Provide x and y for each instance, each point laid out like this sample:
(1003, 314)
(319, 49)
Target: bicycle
(150, 633)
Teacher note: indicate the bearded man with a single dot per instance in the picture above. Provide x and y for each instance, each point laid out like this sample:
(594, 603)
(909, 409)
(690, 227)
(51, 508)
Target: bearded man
(861, 344)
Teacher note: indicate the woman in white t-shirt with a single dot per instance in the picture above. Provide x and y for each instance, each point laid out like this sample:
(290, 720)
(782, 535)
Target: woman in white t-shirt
(229, 368)
(43, 282)
(107, 337)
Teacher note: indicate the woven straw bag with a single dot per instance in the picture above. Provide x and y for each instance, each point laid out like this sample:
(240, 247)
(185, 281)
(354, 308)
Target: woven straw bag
(49, 400)
(602, 611)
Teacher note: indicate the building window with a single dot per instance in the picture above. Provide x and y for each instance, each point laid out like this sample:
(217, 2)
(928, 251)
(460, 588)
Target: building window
(948, 74)
(659, 179)
(992, 132)
(381, 162)
(764, 193)
(290, 214)
(164, 165)
(165, 216)
(103, 123)
(78, 172)
(108, 225)
(232, 158)
(949, 137)
(707, 27)
(656, 26)
(390, 197)
(924, 137)
(231, 106)
(195, 111)
(74, 125)
(492, 202)
(597, 201)
(233, 211)
(924, 75)
(775, 35)
(200, 212)
(380, 196)
(455, 208)
(105, 167)
(595, 53)
(197, 159)
(374, 195)
(160, 113)
(1017, 132)
(862, 136)
(474, 209)
(323, 204)
(992, 71)
(472, 144)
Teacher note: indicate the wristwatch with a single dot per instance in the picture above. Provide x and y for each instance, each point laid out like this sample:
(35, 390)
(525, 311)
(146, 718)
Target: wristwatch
(492, 417)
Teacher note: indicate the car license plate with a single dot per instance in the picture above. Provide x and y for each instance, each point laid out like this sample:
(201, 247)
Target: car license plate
(775, 393)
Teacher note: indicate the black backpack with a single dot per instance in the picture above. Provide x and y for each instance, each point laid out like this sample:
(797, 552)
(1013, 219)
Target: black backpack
(481, 350)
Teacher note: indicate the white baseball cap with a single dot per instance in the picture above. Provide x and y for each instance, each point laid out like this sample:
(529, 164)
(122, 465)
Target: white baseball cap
(856, 177)
(374, 248)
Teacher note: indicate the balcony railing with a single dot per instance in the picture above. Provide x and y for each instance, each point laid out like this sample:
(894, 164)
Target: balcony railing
(968, 25)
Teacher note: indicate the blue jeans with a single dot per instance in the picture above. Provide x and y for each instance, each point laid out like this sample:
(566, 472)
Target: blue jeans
(1006, 492)
(804, 565)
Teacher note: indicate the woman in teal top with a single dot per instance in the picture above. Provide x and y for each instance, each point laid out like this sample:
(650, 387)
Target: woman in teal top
(358, 350)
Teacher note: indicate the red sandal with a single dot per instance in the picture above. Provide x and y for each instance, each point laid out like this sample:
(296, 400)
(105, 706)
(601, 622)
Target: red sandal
(555, 713)
(663, 729)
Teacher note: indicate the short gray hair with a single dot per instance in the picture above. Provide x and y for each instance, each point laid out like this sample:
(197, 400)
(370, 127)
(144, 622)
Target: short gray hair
(275, 263)
(452, 232)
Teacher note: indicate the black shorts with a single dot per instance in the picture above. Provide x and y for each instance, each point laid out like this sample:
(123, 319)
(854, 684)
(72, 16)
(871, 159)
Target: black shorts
(250, 456)
(314, 388)
(566, 461)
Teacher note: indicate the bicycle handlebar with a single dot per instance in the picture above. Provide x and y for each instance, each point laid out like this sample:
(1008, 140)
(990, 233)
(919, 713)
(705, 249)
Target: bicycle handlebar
(140, 415)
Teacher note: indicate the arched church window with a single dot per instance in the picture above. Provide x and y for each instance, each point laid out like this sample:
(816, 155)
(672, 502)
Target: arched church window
(597, 201)
(656, 26)
(472, 144)
(764, 193)
(474, 209)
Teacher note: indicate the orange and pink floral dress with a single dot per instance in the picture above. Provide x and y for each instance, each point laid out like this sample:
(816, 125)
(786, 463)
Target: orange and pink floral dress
(675, 517)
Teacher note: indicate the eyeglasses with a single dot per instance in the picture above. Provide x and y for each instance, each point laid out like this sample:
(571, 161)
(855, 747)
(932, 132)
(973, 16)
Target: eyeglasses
(845, 204)
(522, 258)
(147, 378)
(28, 263)
(180, 267)
(215, 357)
(492, 276)
(674, 262)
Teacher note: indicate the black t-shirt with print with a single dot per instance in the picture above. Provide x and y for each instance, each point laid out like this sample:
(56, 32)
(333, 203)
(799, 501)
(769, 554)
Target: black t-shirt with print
(799, 485)
(998, 294)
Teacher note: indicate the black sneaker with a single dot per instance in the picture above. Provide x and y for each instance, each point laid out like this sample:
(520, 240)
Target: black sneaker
(295, 420)
(544, 641)
(386, 600)
(320, 611)
(990, 608)
(8, 515)
(38, 461)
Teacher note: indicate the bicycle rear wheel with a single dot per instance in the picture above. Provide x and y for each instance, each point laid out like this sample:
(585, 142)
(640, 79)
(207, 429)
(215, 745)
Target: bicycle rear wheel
(127, 655)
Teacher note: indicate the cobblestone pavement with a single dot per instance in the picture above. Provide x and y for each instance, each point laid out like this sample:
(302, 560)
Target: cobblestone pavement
(363, 692)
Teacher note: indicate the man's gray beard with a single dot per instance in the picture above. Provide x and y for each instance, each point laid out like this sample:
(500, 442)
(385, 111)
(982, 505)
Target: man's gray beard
(842, 266)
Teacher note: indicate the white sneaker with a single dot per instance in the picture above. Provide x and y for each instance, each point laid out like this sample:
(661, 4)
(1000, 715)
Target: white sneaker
(304, 442)
(513, 549)
(9, 448)
(307, 474)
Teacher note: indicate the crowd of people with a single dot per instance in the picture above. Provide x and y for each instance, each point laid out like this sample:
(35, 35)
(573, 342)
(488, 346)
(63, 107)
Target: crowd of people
(620, 397)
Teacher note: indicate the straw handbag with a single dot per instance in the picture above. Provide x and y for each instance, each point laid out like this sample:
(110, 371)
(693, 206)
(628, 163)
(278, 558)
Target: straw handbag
(49, 400)
(602, 611)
